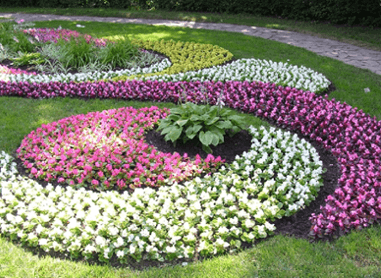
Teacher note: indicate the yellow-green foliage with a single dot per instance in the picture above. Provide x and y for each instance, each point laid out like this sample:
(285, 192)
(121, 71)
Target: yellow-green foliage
(185, 56)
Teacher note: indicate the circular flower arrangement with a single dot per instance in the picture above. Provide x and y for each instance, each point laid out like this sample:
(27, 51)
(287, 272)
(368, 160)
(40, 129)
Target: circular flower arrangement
(214, 214)
(209, 215)
(107, 151)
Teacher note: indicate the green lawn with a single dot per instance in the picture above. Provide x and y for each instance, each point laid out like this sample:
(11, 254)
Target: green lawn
(357, 35)
(357, 254)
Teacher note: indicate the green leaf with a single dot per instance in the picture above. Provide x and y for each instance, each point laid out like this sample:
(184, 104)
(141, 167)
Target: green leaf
(195, 118)
(196, 128)
(192, 131)
(206, 149)
(237, 120)
(215, 140)
(182, 122)
(175, 133)
(224, 125)
(178, 111)
(163, 124)
(166, 130)
(212, 121)
(206, 138)
(173, 117)
(213, 111)
(219, 133)
(204, 117)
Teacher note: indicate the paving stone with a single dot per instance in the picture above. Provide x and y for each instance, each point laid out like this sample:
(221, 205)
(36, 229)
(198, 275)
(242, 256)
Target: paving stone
(347, 53)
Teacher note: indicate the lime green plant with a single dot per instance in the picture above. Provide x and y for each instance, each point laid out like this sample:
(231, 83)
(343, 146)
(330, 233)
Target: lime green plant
(203, 124)
(25, 59)
(184, 56)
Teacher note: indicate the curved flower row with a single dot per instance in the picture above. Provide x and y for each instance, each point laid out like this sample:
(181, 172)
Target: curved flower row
(92, 76)
(188, 62)
(254, 70)
(106, 150)
(240, 70)
(206, 216)
(353, 137)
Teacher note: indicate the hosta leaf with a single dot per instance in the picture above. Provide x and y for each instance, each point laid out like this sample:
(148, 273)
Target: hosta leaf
(224, 125)
(206, 138)
(206, 149)
(181, 122)
(237, 120)
(196, 128)
(163, 124)
(204, 117)
(219, 133)
(213, 111)
(212, 121)
(195, 118)
(192, 131)
(173, 117)
(166, 130)
(177, 111)
(175, 133)
(215, 140)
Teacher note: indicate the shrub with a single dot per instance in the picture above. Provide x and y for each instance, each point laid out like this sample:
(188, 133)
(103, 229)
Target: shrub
(202, 124)
(118, 54)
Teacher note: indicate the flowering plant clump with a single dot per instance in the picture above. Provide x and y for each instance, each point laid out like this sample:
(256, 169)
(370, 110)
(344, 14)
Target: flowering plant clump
(254, 70)
(6, 73)
(185, 56)
(106, 150)
(54, 35)
(352, 136)
(186, 65)
(89, 76)
(204, 216)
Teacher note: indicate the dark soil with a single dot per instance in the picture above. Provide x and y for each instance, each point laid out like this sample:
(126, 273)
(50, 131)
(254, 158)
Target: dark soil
(231, 147)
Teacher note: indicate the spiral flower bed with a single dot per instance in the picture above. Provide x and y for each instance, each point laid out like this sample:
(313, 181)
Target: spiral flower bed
(205, 216)
(106, 150)
(353, 137)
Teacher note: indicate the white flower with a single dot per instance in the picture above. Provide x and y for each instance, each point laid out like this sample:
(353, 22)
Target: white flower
(120, 253)
(171, 249)
(101, 241)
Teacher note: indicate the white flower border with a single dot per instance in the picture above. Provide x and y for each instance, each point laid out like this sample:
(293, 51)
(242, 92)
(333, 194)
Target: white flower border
(82, 77)
(254, 70)
(174, 222)
(240, 70)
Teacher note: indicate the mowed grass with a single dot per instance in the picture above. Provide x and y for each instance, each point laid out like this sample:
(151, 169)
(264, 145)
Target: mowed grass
(357, 254)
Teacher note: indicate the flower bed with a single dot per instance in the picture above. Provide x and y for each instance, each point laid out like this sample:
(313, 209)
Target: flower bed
(106, 150)
(353, 137)
(53, 35)
(205, 216)
(254, 70)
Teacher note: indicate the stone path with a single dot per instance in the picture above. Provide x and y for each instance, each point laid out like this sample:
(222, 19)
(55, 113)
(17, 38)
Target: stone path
(347, 53)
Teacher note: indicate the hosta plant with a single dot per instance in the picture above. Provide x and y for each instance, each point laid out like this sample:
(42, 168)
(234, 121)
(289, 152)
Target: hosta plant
(201, 123)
